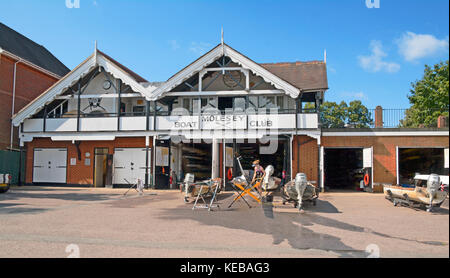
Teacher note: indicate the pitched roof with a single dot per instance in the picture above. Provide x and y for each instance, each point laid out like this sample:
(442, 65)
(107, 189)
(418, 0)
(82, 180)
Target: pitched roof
(217, 52)
(27, 49)
(303, 75)
(130, 72)
(98, 58)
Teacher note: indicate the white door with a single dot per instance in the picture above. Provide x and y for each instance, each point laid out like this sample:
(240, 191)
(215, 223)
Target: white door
(50, 165)
(129, 165)
(367, 158)
(446, 164)
(368, 161)
(322, 167)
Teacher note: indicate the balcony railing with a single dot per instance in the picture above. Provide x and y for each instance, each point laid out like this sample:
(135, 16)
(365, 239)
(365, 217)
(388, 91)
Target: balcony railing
(239, 120)
(206, 121)
(397, 118)
(391, 118)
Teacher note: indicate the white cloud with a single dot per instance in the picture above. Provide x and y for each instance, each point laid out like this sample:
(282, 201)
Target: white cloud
(199, 48)
(374, 62)
(330, 69)
(355, 95)
(174, 44)
(416, 46)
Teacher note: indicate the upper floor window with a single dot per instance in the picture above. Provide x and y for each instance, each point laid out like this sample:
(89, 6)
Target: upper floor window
(282, 104)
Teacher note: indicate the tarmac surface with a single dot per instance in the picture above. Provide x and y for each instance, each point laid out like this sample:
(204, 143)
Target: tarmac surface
(60, 222)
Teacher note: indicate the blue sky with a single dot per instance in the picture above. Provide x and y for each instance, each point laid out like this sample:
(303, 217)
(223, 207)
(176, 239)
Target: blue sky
(372, 54)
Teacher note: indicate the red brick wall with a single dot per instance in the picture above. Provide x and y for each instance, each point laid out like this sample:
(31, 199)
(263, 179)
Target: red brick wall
(30, 83)
(80, 174)
(305, 152)
(384, 150)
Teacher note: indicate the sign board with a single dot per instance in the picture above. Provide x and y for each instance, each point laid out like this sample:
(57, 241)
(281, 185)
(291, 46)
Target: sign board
(223, 121)
(367, 157)
(162, 156)
(228, 157)
(177, 122)
(271, 121)
(227, 122)
(73, 161)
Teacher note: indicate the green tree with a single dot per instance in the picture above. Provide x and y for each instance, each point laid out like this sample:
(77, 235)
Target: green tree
(358, 115)
(429, 97)
(335, 115)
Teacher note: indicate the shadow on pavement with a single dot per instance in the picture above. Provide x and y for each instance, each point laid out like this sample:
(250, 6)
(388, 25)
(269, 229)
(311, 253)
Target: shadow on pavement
(12, 208)
(281, 226)
(290, 226)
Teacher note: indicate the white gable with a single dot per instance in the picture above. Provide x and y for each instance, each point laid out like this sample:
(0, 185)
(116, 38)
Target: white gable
(96, 59)
(236, 57)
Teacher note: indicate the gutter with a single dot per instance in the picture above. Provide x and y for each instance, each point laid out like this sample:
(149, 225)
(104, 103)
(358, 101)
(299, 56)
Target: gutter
(13, 102)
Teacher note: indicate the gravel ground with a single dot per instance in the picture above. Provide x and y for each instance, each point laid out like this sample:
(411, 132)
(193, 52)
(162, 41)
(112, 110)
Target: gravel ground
(87, 222)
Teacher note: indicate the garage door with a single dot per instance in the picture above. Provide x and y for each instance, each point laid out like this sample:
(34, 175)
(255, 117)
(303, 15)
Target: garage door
(129, 165)
(50, 165)
(420, 160)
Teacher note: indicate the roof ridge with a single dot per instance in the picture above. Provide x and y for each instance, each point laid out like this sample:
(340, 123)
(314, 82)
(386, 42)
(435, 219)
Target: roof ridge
(27, 38)
(57, 66)
(124, 67)
(295, 62)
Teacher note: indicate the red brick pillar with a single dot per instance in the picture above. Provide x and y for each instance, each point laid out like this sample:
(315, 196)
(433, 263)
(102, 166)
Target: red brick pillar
(378, 116)
(442, 122)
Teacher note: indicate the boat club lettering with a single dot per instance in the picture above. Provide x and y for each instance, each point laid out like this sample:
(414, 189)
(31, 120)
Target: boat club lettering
(183, 124)
(261, 123)
(223, 118)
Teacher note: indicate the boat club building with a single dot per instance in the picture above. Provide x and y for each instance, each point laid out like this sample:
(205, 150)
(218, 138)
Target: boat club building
(104, 125)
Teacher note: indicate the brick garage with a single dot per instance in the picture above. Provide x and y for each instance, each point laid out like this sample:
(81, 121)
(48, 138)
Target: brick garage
(79, 174)
(384, 150)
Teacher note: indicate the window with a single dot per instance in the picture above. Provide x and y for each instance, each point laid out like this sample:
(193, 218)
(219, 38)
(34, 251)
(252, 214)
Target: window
(253, 102)
(162, 109)
(209, 104)
(280, 102)
(291, 103)
(187, 104)
(239, 104)
(139, 110)
(266, 102)
(308, 107)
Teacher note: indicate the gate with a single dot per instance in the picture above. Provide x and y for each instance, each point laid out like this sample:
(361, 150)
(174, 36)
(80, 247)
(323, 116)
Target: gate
(13, 163)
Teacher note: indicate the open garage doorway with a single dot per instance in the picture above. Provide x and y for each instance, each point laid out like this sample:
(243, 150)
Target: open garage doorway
(419, 160)
(196, 159)
(279, 157)
(345, 168)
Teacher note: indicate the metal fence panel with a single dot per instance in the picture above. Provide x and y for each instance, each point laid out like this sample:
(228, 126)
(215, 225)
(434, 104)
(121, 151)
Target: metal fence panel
(10, 164)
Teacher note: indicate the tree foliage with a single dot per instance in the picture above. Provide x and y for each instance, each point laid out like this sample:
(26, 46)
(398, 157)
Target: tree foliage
(429, 97)
(341, 115)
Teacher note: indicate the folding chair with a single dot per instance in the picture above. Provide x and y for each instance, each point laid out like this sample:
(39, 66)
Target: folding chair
(207, 185)
(247, 191)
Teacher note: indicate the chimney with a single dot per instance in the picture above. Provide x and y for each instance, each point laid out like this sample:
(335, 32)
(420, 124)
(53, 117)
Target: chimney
(442, 121)
(378, 117)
